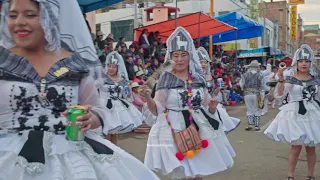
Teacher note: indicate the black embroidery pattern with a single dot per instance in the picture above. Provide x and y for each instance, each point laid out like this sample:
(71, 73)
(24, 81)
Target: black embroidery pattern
(59, 128)
(42, 127)
(114, 92)
(309, 92)
(23, 103)
(58, 101)
(22, 121)
(184, 98)
(196, 100)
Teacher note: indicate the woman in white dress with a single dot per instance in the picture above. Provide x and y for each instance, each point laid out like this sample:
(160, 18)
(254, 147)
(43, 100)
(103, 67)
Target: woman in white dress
(298, 121)
(187, 139)
(122, 116)
(229, 123)
(47, 62)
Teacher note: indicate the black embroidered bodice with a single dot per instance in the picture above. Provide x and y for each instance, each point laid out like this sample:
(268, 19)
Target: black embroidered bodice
(177, 91)
(21, 105)
(112, 90)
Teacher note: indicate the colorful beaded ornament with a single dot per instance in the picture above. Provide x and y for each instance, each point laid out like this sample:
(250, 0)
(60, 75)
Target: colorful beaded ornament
(204, 143)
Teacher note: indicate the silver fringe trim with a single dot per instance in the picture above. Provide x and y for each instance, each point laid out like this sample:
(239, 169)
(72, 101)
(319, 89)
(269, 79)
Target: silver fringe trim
(31, 168)
(37, 168)
(100, 157)
(47, 142)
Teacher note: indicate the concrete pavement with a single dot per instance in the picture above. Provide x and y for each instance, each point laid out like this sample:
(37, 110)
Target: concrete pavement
(258, 158)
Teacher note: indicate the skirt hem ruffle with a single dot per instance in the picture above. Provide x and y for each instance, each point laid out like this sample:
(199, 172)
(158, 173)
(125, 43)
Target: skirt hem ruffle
(298, 142)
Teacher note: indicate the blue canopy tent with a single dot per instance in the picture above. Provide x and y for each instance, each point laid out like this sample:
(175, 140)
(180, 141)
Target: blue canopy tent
(247, 28)
(92, 5)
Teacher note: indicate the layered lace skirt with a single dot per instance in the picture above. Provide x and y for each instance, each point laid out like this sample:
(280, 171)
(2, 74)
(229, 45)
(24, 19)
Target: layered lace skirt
(46, 156)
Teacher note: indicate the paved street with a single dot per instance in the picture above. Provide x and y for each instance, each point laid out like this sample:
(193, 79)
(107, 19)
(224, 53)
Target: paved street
(258, 158)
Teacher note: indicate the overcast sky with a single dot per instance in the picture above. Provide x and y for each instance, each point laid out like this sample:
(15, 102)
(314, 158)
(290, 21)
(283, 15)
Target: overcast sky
(310, 11)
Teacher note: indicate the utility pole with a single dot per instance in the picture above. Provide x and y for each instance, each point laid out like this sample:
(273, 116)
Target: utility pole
(135, 14)
(210, 41)
(300, 29)
(176, 15)
(263, 38)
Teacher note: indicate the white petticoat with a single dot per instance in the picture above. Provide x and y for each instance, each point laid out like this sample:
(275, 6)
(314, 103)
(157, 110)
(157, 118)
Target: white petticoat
(120, 119)
(291, 127)
(69, 161)
(229, 123)
(161, 151)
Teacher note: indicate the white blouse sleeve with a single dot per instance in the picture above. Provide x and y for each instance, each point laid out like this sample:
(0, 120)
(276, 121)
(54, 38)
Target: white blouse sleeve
(205, 104)
(160, 99)
(287, 88)
(88, 95)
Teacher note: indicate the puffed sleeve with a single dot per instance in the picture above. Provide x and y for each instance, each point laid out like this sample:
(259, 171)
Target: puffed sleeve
(205, 104)
(98, 77)
(160, 99)
(88, 95)
(287, 88)
(282, 99)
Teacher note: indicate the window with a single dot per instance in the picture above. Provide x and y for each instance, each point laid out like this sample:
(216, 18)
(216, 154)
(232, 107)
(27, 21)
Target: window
(98, 28)
(124, 28)
(150, 16)
(171, 15)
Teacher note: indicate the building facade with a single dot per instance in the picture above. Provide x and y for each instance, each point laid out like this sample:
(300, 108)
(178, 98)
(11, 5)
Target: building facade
(120, 21)
(279, 13)
(312, 37)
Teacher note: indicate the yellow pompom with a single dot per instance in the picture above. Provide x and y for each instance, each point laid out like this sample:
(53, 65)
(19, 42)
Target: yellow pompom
(197, 151)
(189, 94)
(189, 154)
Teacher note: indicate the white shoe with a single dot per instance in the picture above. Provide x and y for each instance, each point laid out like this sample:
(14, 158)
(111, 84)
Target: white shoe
(264, 113)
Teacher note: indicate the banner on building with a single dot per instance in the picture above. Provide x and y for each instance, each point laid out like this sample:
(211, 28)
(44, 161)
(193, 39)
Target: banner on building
(254, 14)
(295, 2)
(293, 17)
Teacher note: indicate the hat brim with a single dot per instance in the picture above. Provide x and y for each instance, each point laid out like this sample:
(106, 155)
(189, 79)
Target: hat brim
(254, 66)
(272, 83)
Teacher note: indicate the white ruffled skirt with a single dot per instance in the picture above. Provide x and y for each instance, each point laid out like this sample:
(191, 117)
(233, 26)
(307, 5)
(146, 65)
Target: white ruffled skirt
(161, 150)
(65, 160)
(229, 123)
(291, 127)
(121, 119)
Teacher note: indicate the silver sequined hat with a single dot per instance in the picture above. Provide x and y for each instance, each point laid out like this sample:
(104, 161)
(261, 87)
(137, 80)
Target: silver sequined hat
(115, 58)
(181, 40)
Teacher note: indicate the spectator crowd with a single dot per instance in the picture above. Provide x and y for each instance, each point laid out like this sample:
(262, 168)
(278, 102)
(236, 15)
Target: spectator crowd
(144, 58)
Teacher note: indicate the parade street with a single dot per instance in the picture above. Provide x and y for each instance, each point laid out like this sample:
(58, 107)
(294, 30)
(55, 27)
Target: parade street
(258, 158)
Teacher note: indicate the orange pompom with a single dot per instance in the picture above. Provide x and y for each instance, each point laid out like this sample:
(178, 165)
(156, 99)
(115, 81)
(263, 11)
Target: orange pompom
(197, 151)
(179, 156)
(189, 154)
